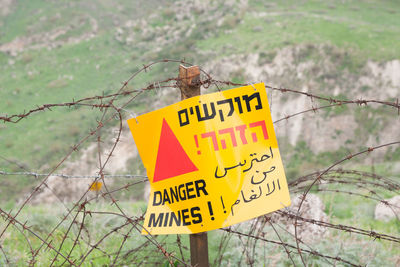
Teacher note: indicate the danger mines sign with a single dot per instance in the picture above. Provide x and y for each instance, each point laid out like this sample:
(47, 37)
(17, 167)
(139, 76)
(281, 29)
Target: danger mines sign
(212, 161)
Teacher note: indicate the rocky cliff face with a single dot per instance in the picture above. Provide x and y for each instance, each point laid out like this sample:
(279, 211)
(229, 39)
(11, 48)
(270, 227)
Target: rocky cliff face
(316, 69)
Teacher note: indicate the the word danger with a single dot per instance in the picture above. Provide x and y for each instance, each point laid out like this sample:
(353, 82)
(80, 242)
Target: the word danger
(175, 194)
(235, 134)
(180, 193)
(209, 111)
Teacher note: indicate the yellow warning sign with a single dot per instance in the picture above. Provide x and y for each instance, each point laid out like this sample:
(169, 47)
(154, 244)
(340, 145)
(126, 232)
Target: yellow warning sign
(96, 186)
(212, 161)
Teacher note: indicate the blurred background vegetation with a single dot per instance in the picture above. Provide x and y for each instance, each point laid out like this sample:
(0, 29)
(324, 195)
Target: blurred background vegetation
(59, 51)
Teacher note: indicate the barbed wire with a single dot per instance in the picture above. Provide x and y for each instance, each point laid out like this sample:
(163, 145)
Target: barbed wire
(15, 118)
(65, 176)
(312, 252)
(75, 240)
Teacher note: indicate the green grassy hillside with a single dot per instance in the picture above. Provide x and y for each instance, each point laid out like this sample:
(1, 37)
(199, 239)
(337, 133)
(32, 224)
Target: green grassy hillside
(57, 51)
(61, 51)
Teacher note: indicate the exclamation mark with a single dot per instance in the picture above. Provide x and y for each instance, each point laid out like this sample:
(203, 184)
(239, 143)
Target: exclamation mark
(222, 201)
(197, 144)
(211, 210)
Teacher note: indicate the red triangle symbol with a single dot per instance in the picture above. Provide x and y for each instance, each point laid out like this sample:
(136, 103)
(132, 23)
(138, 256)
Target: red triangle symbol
(172, 159)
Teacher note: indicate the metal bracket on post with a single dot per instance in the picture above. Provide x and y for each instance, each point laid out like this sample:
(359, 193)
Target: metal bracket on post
(189, 84)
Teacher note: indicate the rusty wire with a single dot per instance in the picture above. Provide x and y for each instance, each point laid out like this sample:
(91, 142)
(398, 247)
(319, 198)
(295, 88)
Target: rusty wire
(87, 246)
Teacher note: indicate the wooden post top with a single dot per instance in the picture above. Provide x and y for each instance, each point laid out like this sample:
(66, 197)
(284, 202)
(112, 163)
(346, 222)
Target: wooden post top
(189, 78)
